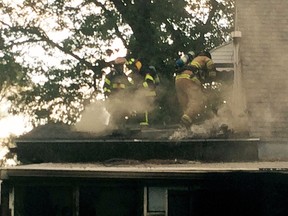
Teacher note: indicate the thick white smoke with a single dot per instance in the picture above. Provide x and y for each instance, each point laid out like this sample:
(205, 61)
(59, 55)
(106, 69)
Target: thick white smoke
(101, 115)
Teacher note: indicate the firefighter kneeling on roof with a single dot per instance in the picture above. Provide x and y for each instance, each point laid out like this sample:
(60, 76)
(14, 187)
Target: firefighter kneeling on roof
(189, 86)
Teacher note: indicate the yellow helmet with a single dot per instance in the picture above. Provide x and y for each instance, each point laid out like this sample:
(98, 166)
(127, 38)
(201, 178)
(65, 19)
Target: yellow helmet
(138, 65)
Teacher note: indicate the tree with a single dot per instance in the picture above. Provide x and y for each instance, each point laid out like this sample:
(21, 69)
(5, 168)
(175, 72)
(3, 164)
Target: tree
(52, 51)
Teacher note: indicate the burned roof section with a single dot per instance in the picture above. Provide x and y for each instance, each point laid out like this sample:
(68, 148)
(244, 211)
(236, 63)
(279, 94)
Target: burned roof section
(53, 131)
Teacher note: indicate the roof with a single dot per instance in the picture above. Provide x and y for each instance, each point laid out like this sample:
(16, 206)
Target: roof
(59, 143)
(54, 131)
(60, 131)
(135, 169)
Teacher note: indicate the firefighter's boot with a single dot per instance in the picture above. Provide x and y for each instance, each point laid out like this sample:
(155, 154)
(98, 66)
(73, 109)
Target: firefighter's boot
(145, 123)
(186, 121)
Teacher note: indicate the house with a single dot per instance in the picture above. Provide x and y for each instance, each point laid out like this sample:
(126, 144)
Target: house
(260, 47)
(223, 57)
(64, 172)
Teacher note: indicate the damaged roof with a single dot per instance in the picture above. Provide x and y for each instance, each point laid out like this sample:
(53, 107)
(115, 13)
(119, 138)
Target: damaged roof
(54, 131)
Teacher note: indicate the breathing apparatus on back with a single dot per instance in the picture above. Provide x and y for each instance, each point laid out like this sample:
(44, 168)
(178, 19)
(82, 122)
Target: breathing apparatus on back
(185, 59)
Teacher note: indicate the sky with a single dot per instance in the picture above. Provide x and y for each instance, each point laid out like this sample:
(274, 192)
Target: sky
(10, 125)
(13, 125)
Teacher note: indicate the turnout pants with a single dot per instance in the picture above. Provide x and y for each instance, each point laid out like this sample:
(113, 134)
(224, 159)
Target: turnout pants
(190, 96)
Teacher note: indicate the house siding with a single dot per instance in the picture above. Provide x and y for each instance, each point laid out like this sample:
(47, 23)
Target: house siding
(263, 54)
(223, 54)
(223, 57)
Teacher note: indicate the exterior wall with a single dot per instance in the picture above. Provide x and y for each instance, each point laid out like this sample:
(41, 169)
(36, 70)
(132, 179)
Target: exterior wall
(263, 54)
(228, 193)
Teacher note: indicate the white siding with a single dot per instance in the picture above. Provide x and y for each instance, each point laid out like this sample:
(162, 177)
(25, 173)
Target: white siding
(223, 55)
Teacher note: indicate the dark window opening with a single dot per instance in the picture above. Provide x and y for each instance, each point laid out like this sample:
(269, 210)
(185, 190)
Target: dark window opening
(43, 200)
(110, 201)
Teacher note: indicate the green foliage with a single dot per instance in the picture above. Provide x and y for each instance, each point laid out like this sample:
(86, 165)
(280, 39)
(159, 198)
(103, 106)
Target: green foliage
(76, 35)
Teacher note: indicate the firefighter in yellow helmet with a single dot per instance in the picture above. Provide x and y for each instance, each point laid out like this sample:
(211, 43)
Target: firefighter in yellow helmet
(146, 79)
(189, 86)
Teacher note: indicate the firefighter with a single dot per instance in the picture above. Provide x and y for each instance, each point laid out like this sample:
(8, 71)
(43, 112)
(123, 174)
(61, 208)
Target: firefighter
(115, 80)
(204, 67)
(189, 86)
(116, 89)
(146, 79)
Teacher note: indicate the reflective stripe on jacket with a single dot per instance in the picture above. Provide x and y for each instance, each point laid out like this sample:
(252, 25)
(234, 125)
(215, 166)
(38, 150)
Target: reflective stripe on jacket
(149, 81)
(188, 76)
(118, 86)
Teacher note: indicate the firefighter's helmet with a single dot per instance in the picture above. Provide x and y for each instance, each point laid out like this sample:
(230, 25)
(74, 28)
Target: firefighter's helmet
(191, 54)
(205, 53)
(138, 64)
(120, 60)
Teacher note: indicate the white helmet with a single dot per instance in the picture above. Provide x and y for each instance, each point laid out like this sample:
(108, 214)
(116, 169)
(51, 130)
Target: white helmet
(192, 54)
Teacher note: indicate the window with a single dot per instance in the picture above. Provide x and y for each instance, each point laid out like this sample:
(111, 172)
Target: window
(156, 199)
